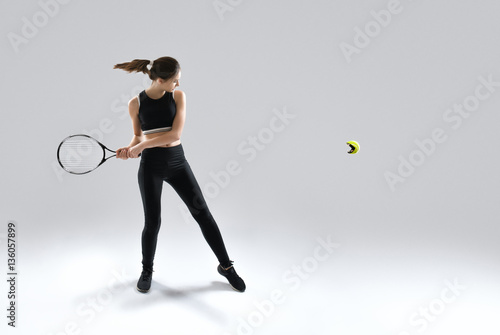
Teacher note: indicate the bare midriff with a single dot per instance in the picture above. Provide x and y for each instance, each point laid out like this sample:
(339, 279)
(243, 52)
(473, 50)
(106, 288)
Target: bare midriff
(154, 135)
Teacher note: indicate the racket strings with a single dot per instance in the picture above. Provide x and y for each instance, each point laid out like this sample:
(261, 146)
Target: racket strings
(80, 154)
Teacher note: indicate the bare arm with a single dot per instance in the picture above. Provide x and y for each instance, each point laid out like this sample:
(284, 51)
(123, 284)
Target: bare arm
(133, 110)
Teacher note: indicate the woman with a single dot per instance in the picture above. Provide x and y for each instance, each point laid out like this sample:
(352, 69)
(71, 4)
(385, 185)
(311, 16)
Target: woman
(158, 114)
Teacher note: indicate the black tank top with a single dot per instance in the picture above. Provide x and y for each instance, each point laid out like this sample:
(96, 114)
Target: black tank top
(156, 114)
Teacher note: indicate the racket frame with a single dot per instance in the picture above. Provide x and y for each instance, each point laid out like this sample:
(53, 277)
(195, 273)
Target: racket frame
(104, 148)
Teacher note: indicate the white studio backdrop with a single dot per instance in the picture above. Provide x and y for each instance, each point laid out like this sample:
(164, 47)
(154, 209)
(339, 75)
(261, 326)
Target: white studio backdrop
(274, 91)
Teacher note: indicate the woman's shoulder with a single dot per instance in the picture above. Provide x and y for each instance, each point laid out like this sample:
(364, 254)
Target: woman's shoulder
(138, 99)
(134, 104)
(178, 94)
(134, 101)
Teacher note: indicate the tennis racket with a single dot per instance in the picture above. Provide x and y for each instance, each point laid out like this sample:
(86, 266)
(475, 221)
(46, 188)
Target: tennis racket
(81, 154)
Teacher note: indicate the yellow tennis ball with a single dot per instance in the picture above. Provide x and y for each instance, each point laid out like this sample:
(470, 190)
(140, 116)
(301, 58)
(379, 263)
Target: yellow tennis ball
(354, 147)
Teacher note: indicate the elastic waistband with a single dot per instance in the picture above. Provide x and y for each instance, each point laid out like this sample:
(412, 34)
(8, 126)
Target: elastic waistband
(162, 153)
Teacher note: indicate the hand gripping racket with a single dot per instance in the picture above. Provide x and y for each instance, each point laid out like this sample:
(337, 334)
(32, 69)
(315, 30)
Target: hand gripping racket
(81, 154)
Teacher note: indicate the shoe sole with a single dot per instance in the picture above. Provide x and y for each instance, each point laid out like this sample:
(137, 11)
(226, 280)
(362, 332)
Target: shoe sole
(235, 288)
(142, 291)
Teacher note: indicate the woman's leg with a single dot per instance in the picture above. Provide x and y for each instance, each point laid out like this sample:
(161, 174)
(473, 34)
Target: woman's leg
(184, 183)
(150, 184)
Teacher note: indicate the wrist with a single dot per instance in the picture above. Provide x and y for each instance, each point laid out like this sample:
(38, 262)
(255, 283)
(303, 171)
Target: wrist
(144, 144)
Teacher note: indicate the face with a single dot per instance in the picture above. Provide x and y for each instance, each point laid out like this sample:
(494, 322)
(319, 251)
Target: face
(171, 84)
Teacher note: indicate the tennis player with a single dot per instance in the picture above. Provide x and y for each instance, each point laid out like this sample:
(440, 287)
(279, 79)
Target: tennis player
(158, 114)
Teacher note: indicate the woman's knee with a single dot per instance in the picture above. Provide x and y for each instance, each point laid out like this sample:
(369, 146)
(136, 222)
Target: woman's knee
(152, 226)
(203, 216)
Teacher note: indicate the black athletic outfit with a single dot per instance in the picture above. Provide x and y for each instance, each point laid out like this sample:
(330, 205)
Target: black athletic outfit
(168, 164)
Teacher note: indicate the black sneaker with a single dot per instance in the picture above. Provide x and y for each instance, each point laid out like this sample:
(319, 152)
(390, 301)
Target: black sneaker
(232, 277)
(144, 283)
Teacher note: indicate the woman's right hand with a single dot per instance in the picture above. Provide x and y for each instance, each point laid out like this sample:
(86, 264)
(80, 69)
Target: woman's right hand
(122, 153)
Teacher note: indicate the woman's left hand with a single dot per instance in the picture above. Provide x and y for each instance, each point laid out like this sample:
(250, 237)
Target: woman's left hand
(135, 151)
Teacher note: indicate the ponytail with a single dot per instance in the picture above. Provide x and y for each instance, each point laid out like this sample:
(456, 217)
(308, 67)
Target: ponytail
(137, 65)
(164, 67)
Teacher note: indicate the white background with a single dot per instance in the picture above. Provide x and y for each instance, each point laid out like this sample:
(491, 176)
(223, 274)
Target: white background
(241, 64)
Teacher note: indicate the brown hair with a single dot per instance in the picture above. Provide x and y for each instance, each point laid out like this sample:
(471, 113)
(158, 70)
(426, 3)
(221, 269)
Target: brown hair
(164, 67)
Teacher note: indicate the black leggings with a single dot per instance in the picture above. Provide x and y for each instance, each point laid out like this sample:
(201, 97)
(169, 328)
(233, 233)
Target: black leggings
(169, 164)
